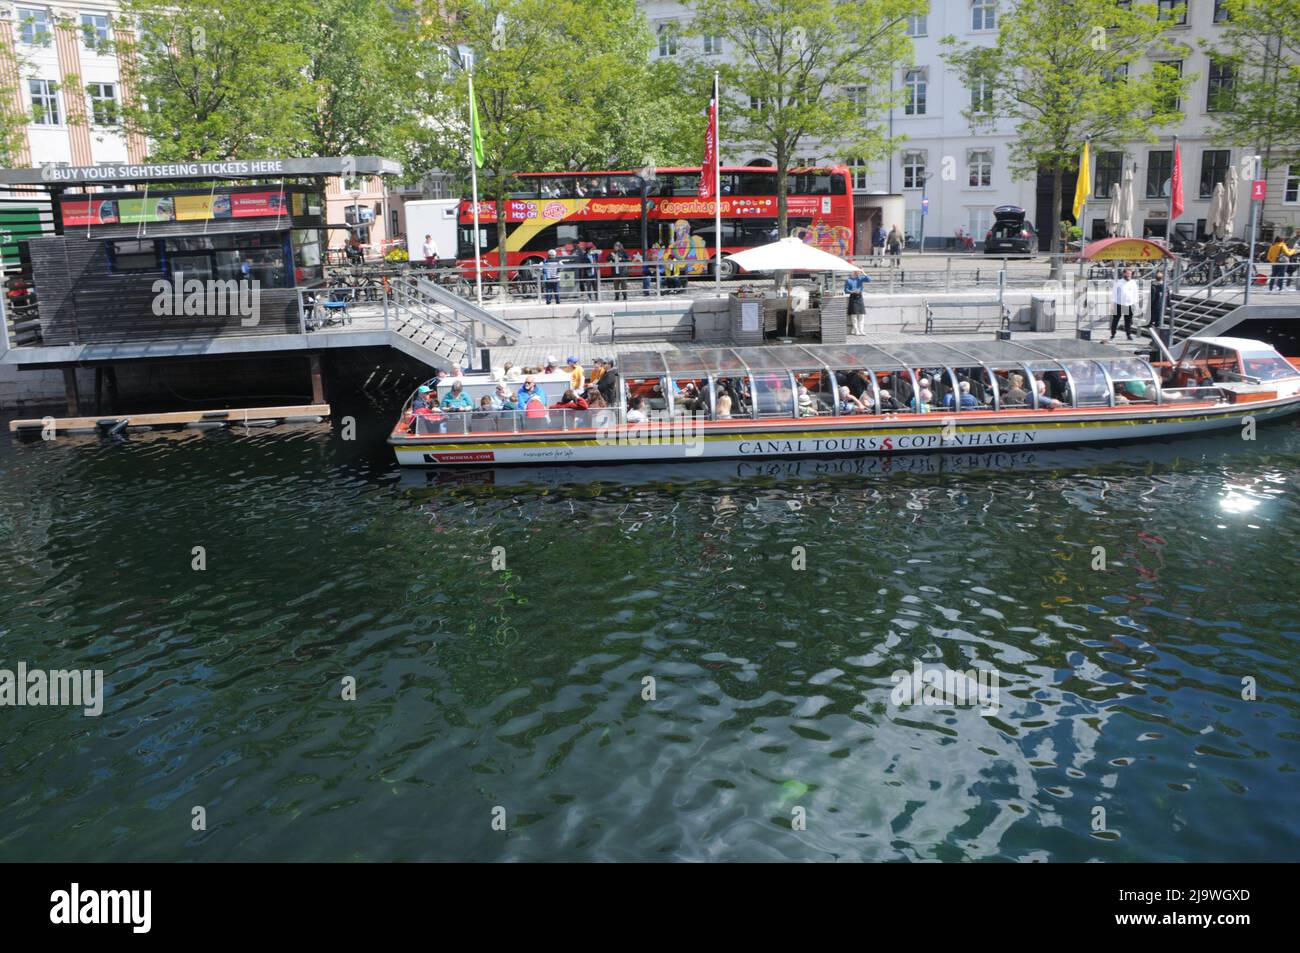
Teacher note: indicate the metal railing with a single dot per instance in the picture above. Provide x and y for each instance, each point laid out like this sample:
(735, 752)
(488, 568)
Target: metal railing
(1227, 289)
(455, 423)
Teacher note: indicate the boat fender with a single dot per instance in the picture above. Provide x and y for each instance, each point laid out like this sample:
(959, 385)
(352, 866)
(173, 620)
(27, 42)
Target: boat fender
(308, 419)
(118, 427)
(216, 414)
(264, 422)
(205, 425)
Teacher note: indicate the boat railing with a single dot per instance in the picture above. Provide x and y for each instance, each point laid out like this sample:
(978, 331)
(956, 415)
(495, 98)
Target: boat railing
(454, 423)
(1190, 395)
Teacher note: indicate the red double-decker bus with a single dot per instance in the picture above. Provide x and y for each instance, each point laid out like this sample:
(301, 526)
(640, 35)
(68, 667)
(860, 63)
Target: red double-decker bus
(560, 210)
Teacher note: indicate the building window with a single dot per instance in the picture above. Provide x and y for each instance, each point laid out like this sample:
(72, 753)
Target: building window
(1221, 12)
(1117, 74)
(45, 102)
(984, 15)
(912, 223)
(1174, 69)
(916, 25)
(979, 221)
(979, 162)
(858, 170)
(859, 96)
(34, 26)
(913, 169)
(1160, 169)
(1175, 10)
(914, 83)
(757, 104)
(981, 95)
(667, 39)
(94, 31)
(1291, 188)
(712, 44)
(1219, 92)
(1110, 171)
(1214, 170)
(103, 103)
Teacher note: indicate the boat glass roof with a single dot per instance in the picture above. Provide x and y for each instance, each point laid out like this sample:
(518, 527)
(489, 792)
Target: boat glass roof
(886, 356)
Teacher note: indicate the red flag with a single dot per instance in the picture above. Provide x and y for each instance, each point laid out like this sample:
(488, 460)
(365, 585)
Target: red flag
(1176, 185)
(708, 171)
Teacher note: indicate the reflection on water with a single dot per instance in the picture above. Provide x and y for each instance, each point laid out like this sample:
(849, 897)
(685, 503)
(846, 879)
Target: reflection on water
(501, 626)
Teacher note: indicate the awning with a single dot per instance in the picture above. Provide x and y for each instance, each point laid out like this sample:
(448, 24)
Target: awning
(1125, 249)
(790, 254)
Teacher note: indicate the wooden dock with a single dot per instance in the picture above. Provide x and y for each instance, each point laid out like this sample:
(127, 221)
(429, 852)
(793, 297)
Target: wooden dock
(193, 419)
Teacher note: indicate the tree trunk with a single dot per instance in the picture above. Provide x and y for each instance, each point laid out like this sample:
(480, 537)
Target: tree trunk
(782, 185)
(1055, 246)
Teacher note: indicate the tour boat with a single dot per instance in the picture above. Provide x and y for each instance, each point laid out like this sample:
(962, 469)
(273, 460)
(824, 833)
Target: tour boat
(789, 401)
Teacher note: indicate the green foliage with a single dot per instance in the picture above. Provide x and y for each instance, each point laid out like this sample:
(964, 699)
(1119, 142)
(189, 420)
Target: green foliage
(12, 122)
(801, 71)
(1261, 43)
(1066, 70)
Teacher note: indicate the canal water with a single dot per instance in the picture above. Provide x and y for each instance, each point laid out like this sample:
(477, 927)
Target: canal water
(695, 662)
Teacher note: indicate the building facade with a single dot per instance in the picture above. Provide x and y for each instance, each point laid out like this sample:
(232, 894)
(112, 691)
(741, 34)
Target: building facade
(952, 176)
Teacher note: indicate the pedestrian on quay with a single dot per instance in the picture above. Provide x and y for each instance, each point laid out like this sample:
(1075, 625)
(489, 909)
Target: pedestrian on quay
(894, 245)
(1125, 296)
(1279, 256)
(589, 275)
(430, 252)
(618, 256)
(551, 278)
(857, 310)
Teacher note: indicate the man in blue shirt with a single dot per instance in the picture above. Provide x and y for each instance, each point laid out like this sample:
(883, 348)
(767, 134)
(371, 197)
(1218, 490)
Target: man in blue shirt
(968, 400)
(526, 392)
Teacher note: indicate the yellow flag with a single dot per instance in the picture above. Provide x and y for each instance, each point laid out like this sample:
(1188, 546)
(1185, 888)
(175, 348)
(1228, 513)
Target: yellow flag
(1084, 185)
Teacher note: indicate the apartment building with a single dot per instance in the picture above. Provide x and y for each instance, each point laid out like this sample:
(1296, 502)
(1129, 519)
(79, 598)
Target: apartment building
(960, 174)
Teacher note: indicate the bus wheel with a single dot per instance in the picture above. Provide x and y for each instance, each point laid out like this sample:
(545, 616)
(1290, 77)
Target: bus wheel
(728, 269)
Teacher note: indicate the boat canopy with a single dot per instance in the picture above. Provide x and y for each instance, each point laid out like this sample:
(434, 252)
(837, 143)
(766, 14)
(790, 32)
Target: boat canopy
(847, 357)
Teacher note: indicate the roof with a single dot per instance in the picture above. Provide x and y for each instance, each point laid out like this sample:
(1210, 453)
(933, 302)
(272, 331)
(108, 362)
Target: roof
(740, 360)
(1125, 249)
(1237, 344)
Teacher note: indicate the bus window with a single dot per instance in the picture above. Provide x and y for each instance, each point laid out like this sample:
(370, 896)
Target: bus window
(755, 231)
(686, 183)
(555, 186)
(487, 235)
(756, 183)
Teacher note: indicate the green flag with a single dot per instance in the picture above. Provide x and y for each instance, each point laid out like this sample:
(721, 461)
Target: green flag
(475, 132)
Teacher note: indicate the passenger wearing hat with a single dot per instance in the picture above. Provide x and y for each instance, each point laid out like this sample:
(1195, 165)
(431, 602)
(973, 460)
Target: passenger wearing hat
(421, 402)
(597, 369)
(608, 383)
(575, 373)
(551, 278)
(551, 364)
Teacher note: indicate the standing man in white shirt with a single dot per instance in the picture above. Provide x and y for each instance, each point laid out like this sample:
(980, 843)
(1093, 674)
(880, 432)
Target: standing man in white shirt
(430, 251)
(1126, 299)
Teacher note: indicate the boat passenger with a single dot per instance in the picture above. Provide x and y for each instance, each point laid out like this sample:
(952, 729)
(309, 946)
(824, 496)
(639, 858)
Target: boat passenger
(421, 403)
(503, 399)
(888, 402)
(550, 365)
(528, 390)
(924, 398)
(1015, 394)
(570, 401)
(850, 404)
(859, 383)
(723, 406)
(485, 404)
(807, 406)
(689, 398)
(456, 399)
(597, 370)
(593, 398)
(968, 401)
(508, 373)
(535, 406)
(636, 413)
(575, 373)
(608, 383)
(1044, 401)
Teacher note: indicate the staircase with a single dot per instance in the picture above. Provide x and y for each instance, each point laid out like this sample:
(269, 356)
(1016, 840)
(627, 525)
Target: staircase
(1197, 312)
(437, 326)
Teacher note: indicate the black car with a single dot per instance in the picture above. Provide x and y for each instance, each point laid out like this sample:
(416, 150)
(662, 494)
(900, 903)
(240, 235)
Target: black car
(1010, 234)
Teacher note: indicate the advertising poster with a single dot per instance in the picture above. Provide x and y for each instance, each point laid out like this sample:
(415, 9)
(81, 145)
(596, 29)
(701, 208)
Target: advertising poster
(258, 204)
(89, 212)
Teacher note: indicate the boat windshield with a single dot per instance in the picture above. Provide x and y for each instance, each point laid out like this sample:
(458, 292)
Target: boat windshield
(1267, 366)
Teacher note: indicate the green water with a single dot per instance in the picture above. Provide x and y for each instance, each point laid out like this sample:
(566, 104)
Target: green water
(501, 632)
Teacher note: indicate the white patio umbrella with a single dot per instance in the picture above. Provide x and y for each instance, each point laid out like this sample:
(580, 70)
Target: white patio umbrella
(1128, 203)
(1114, 211)
(790, 254)
(1214, 218)
(1230, 194)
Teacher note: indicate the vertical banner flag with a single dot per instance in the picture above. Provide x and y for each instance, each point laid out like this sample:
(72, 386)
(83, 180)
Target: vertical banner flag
(1176, 185)
(475, 131)
(708, 169)
(1084, 186)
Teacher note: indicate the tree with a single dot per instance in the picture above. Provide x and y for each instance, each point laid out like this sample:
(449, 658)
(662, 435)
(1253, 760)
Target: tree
(1259, 46)
(806, 71)
(216, 79)
(1063, 71)
(559, 84)
(11, 120)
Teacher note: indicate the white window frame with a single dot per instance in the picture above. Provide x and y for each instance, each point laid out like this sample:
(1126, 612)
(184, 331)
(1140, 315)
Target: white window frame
(917, 25)
(28, 20)
(859, 95)
(1291, 186)
(981, 95)
(50, 99)
(916, 81)
(918, 168)
(983, 15)
(985, 167)
(1179, 70)
(712, 44)
(912, 219)
(859, 173)
(101, 40)
(984, 216)
(668, 37)
(112, 97)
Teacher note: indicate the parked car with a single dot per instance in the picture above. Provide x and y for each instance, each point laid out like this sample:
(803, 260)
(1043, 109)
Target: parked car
(1010, 234)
